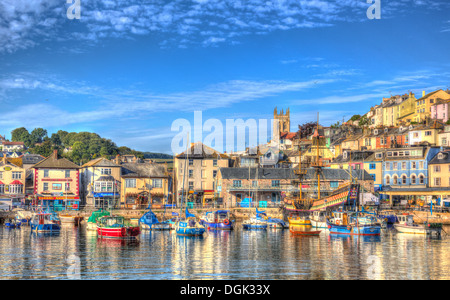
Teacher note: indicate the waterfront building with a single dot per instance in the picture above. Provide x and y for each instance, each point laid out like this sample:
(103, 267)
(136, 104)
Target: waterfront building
(444, 137)
(57, 183)
(12, 182)
(426, 134)
(441, 110)
(439, 170)
(199, 168)
(424, 104)
(100, 181)
(143, 184)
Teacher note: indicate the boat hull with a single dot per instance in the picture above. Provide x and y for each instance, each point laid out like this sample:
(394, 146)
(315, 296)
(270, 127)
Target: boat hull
(366, 230)
(156, 227)
(118, 233)
(305, 233)
(218, 226)
(45, 227)
(318, 224)
(254, 226)
(299, 222)
(91, 226)
(410, 229)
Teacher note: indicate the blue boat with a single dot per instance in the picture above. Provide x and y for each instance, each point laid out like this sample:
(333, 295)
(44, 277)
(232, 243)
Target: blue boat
(12, 224)
(276, 223)
(259, 222)
(218, 220)
(42, 222)
(353, 223)
(189, 226)
(149, 221)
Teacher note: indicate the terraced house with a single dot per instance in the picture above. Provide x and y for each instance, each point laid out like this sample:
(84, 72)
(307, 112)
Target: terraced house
(12, 182)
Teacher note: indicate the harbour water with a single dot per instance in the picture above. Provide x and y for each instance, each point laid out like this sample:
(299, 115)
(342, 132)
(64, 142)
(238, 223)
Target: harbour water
(239, 254)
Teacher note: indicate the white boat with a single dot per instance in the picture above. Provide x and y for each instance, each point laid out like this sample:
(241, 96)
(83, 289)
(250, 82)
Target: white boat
(406, 225)
(319, 220)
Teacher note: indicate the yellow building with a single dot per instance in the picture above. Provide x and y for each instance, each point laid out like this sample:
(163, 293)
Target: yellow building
(423, 105)
(12, 182)
(407, 110)
(143, 184)
(439, 174)
(426, 134)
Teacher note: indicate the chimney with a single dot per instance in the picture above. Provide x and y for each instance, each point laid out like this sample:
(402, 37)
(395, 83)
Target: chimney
(118, 159)
(423, 94)
(55, 154)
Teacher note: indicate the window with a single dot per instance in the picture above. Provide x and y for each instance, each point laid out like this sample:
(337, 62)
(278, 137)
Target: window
(374, 177)
(191, 162)
(214, 173)
(67, 187)
(191, 185)
(404, 179)
(404, 165)
(106, 171)
(275, 183)
(413, 179)
(45, 186)
(379, 155)
(56, 186)
(395, 179)
(16, 175)
(372, 167)
(203, 163)
(130, 183)
(191, 173)
(215, 163)
(2, 188)
(388, 180)
(46, 173)
(421, 179)
(388, 166)
(15, 189)
(413, 165)
(157, 183)
(237, 183)
(427, 133)
(437, 181)
(395, 165)
(437, 169)
(254, 183)
(421, 165)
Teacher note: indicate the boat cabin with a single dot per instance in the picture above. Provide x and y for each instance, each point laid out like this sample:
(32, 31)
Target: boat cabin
(405, 219)
(217, 216)
(319, 216)
(109, 221)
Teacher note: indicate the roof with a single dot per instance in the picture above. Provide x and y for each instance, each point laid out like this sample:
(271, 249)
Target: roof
(143, 170)
(31, 159)
(200, 151)
(428, 95)
(13, 143)
(260, 173)
(353, 156)
(288, 135)
(100, 162)
(53, 162)
(337, 174)
(444, 160)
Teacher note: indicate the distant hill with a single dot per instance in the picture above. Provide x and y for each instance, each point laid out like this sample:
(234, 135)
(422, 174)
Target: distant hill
(157, 155)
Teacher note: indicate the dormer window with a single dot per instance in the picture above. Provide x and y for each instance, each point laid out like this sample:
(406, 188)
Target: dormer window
(375, 131)
(345, 155)
(441, 156)
(386, 130)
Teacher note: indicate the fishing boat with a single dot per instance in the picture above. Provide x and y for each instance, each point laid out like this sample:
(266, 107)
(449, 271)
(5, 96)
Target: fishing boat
(304, 232)
(91, 223)
(258, 222)
(189, 226)
(43, 222)
(69, 219)
(149, 221)
(319, 219)
(23, 216)
(406, 225)
(12, 224)
(114, 227)
(353, 223)
(218, 220)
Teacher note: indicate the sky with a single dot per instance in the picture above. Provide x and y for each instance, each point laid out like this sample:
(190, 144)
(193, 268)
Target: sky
(128, 70)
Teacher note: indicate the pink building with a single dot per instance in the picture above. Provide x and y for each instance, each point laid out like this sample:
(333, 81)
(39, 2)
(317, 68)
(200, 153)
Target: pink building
(440, 110)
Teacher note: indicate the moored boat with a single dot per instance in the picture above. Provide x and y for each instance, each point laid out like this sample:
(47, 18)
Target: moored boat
(304, 231)
(91, 223)
(12, 224)
(189, 226)
(23, 216)
(318, 219)
(43, 222)
(276, 223)
(114, 227)
(149, 221)
(69, 219)
(258, 222)
(218, 220)
(406, 225)
(353, 223)
(299, 220)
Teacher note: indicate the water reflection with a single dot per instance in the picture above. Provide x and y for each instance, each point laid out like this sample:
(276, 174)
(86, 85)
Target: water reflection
(237, 254)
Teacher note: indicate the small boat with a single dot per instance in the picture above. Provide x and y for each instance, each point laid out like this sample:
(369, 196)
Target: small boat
(276, 223)
(353, 223)
(43, 222)
(12, 224)
(318, 219)
(69, 219)
(218, 220)
(259, 222)
(189, 226)
(91, 223)
(304, 232)
(299, 220)
(149, 221)
(114, 227)
(23, 216)
(406, 225)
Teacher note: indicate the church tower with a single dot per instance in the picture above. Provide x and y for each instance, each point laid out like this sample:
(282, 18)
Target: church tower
(284, 120)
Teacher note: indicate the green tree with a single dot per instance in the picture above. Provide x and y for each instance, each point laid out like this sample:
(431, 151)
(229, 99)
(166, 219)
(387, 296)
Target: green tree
(38, 135)
(21, 135)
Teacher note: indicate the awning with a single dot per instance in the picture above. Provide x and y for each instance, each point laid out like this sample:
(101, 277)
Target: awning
(16, 182)
(105, 178)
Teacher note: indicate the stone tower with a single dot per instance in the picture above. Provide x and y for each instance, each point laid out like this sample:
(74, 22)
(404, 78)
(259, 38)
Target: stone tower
(284, 121)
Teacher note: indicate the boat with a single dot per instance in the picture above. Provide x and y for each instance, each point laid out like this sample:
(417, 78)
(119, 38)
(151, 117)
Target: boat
(299, 220)
(189, 226)
(276, 223)
(12, 224)
(149, 221)
(258, 222)
(23, 216)
(218, 220)
(318, 219)
(406, 225)
(114, 227)
(353, 223)
(91, 223)
(43, 222)
(69, 219)
(304, 232)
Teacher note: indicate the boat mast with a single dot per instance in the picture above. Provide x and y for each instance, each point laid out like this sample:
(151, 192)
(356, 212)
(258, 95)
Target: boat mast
(317, 159)
(184, 174)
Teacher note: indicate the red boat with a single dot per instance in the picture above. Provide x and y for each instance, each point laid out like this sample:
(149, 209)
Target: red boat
(114, 227)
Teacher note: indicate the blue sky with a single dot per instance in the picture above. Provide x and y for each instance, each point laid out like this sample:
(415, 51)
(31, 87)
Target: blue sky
(128, 69)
